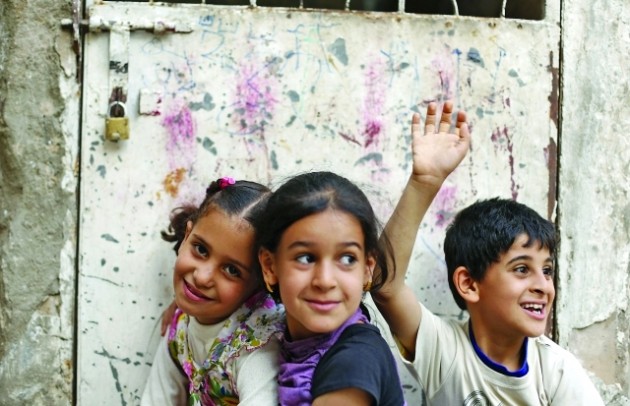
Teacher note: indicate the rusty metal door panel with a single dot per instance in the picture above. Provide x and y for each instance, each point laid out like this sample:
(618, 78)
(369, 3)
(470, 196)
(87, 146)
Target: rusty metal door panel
(263, 94)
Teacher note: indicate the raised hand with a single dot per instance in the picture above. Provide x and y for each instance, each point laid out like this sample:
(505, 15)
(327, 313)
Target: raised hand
(438, 151)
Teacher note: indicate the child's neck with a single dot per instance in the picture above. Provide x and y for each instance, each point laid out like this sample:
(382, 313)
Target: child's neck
(507, 356)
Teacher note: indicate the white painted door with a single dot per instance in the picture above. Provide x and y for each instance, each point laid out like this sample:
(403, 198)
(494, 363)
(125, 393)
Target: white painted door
(263, 94)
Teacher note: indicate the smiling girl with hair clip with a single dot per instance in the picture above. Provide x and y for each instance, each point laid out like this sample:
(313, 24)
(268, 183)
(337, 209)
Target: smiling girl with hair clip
(220, 347)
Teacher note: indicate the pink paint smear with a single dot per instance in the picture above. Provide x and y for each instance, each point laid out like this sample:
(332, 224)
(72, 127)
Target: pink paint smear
(255, 98)
(180, 146)
(374, 103)
(444, 205)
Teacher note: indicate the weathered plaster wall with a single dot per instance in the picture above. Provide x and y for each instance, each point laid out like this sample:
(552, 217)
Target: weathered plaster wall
(594, 192)
(38, 144)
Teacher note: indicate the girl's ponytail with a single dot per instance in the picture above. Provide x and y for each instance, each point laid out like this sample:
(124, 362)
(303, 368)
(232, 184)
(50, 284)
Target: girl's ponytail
(177, 228)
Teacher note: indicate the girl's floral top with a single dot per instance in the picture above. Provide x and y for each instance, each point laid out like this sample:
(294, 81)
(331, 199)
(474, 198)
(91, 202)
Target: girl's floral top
(250, 327)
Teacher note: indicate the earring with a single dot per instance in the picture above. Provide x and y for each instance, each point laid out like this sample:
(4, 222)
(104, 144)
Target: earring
(368, 286)
(268, 286)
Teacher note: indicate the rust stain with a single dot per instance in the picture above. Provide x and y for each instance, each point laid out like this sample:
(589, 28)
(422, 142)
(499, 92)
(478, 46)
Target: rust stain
(553, 96)
(172, 181)
(497, 138)
(552, 165)
(349, 138)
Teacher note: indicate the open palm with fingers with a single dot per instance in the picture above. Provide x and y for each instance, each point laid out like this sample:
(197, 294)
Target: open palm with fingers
(438, 151)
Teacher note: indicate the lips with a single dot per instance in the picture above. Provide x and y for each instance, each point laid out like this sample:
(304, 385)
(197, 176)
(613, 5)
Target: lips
(193, 294)
(535, 310)
(322, 306)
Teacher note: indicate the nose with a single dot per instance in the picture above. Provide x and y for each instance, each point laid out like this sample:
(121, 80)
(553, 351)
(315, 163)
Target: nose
(543, 283)
(203, 275)
(324, 276)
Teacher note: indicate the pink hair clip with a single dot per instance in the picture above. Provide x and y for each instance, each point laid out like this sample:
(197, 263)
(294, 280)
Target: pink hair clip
(225, 182)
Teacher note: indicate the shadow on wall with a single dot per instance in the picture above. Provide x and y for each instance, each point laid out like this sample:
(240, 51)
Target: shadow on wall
(515, 9)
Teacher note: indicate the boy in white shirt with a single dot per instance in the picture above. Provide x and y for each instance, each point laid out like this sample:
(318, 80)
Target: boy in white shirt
(500, 258)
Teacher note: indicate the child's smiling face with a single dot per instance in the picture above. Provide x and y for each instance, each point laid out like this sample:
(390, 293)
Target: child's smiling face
(516, 294)
(213, 271)
(321, 267)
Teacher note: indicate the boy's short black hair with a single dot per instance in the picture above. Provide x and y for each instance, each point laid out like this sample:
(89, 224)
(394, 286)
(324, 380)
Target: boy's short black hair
(485, 230)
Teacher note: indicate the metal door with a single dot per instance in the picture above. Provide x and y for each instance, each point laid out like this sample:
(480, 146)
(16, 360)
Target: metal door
(261, 93)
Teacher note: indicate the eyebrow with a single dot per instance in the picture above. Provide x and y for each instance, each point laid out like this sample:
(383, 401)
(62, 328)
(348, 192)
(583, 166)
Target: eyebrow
(527, 258)
(230, 259)
(307, 244)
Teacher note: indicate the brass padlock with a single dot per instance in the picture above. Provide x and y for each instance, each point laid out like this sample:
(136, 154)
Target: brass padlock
(117, 128)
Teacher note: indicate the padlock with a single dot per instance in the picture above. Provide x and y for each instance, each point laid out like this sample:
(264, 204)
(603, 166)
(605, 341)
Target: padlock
(117, 128)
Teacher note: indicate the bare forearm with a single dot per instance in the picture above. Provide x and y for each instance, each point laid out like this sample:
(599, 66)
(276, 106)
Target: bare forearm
(402, 229)
(396, 301)
(435, 156)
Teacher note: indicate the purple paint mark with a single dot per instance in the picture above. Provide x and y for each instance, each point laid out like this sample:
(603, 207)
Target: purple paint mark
(444, 205)
(445, 70)
(255, 99)
(503, 140)
(180, 147)
(180, 126)
(374, 103)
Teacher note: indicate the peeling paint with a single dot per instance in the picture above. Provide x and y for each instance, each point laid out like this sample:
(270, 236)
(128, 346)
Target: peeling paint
(502, 140)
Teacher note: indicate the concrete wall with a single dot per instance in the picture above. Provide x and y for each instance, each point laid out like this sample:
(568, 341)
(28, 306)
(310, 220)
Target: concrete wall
(38, 147)
(594, 188)
(38, 159)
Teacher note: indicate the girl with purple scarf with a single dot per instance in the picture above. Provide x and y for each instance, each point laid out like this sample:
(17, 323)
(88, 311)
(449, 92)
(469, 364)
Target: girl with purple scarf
(318, 245)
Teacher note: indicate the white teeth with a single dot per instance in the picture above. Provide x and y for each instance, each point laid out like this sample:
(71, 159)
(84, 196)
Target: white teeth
(533, 306)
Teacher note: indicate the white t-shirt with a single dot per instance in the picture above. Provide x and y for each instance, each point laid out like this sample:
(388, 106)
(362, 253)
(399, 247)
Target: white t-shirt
(450, 372)
(255, 371)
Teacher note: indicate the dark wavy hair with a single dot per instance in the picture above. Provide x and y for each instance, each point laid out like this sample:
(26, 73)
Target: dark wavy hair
(315, 192)
(244, 199)
(485, 230)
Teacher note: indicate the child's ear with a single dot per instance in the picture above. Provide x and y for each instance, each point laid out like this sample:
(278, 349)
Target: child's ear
(465, 284)
(370, 265)
(265, 257)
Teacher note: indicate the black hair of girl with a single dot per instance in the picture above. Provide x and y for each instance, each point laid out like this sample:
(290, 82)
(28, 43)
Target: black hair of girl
(244, 199)
(315, 192)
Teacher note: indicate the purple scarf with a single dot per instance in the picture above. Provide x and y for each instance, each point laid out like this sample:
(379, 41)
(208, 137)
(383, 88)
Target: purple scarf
(298, 360)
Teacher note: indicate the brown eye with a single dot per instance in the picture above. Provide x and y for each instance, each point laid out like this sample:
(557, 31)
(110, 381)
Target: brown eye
(305, 259)
(348, 259)
(232, 270)
(521, 270)
(200, 250)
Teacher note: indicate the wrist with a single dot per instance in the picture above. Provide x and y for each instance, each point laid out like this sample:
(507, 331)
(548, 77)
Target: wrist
(425, 183)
